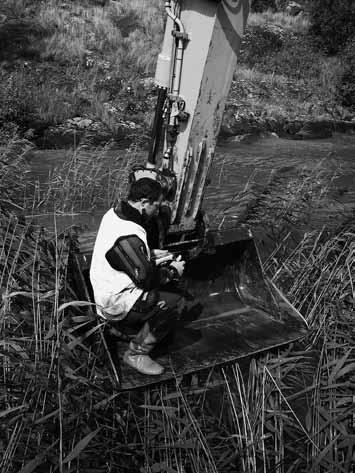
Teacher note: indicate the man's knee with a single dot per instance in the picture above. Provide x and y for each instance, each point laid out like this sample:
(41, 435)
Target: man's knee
(173, 301)
(151, 304)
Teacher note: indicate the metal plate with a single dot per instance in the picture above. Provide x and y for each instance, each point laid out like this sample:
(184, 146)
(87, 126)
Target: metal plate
(236, 313)
(206, 343)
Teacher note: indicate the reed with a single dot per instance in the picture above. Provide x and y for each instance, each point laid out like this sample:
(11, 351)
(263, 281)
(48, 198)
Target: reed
(14, 191)
(87, 179)
(288, 411)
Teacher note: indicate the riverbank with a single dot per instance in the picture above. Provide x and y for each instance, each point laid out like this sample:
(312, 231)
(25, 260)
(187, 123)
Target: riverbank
(77, 74)
(240, 126)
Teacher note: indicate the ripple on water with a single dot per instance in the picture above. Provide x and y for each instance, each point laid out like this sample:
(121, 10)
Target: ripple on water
(239, 165)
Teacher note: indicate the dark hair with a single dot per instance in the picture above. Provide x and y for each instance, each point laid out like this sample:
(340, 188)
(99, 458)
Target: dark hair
(145, 188)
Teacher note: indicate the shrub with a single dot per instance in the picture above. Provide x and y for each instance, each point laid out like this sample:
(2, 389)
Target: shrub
(261, 5)
(15, 101)
(282, 4)
(20, 32)
(297, 24)
(347, 83)
(297, 59)
(25, 98)
(18, 38)
(16, 9)
(275, 50)
(258, 41)
(332, 22)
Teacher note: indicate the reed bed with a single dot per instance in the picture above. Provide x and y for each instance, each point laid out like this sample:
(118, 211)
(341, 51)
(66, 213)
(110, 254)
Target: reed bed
(15, 191)
(290, 410)
(86, 180)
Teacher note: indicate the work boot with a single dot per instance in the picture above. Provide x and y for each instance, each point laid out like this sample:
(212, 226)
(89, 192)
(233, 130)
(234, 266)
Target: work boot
(137, 354)
(142, 363)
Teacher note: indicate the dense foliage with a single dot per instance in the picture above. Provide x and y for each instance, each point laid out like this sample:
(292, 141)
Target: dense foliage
(333, 26)
(261, 5)
(333, 23)
(347, 85)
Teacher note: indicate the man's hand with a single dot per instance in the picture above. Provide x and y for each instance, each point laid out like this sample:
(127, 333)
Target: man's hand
(162, 305)
(179, 265)
(161, 256)
(158, 253)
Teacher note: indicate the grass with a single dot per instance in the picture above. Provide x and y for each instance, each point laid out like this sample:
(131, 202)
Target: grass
(116, 33)
(80, 59)
(82, 65)
(287, 411)
(282, 71)
(295, 24)
(271, 95)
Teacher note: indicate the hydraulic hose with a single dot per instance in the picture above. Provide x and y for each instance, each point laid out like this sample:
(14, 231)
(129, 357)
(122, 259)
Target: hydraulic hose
(173, 16)
(168, 78)
(179, 49)
(157, 126)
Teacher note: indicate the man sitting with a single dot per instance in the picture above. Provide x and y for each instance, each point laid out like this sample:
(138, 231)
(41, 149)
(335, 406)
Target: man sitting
(126, 275)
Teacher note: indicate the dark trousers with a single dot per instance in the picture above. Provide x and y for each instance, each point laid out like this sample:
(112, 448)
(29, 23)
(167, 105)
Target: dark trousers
(152, 317)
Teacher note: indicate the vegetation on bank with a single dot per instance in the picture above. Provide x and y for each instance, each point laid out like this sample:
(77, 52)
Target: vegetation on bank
(286, 73)
(76, 59)
(84, 59)
(290, 410)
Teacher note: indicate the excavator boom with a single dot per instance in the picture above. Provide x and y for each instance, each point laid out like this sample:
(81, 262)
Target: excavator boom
(194, 72)
(214, 31)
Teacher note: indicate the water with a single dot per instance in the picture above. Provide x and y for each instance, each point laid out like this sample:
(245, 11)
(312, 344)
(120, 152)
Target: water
(235, 166)
(239, 165)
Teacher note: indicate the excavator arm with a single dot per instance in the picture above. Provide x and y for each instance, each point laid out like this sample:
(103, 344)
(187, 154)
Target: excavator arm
(193, 75)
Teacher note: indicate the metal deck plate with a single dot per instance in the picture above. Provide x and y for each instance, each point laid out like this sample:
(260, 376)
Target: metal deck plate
(213, 341)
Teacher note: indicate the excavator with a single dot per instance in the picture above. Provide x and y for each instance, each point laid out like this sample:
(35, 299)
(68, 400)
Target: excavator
(240, 311)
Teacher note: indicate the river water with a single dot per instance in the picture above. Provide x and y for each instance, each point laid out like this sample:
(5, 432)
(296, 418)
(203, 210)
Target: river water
(235, 167)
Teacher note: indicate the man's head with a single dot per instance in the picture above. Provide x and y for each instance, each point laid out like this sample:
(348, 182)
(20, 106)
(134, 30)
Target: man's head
(146, 195)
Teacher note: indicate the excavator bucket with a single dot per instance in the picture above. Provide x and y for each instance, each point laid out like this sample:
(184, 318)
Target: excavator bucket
(234, 312)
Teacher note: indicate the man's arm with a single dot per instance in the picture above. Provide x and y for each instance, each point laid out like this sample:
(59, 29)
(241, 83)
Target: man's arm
(129, 254)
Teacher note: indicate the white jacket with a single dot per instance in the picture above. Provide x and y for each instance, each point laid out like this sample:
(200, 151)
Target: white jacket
(115, 292)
